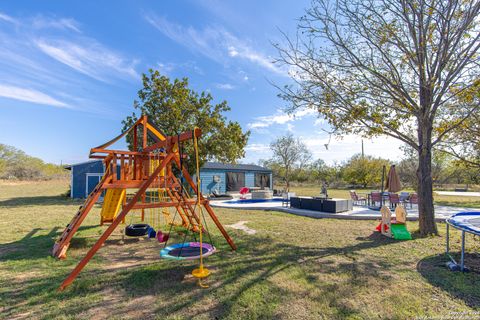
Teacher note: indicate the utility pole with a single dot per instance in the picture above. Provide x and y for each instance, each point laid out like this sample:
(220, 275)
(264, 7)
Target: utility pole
(363, 154)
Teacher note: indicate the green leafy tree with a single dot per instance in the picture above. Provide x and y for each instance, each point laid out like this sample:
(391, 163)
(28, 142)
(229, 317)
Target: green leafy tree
(174, 108)
(394, 68)
(364, 170)
(319, 171)
(16, 164)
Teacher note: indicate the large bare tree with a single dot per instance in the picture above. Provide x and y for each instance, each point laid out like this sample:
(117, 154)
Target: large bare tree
(289, 153)
(388, 67)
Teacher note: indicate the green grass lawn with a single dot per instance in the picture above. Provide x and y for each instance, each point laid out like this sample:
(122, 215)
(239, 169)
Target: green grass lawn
(457, 201)
(292, 268)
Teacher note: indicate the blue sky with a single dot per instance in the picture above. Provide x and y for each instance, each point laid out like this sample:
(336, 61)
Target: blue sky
(69, 71)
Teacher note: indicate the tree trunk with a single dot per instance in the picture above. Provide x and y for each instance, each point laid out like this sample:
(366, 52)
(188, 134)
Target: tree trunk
(426, 211)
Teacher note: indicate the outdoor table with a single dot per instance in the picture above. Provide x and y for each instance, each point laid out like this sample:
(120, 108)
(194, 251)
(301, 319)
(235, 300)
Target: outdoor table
(384, 197)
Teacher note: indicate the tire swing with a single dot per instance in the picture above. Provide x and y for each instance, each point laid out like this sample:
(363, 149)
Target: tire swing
(192, 250)
(137, 230)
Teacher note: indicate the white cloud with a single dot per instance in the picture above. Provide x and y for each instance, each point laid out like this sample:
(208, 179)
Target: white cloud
(280, 117)
(215, 43)
(225, 86)
(320, 122)
(88, 57)
(255, 147)
(232, 52)
(30, 95)
(7, 18)
(342, 148)
(41, 22)
(165, 68)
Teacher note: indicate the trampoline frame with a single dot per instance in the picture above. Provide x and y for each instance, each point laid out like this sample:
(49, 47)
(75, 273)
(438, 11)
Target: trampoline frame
(165, 252)
(463, 229)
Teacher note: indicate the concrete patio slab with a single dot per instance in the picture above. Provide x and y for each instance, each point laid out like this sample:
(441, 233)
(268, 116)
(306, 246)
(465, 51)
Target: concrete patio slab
(358, 212)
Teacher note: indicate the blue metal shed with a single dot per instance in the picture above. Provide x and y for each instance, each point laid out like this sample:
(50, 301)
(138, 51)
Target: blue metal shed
(232, 177)
(84, 177)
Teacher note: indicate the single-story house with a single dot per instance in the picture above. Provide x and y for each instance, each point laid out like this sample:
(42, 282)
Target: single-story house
(232, 177)
(214, 176)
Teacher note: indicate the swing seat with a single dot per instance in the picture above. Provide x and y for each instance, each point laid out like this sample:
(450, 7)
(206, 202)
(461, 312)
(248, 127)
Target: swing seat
(162, 237)
(187, 251)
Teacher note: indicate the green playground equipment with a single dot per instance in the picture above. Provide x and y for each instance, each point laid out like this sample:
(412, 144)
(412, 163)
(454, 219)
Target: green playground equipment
(394, 228)
(400, 232)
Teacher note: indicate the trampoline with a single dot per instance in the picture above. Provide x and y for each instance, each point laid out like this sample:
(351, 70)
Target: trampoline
(465, 222)
(187, 251)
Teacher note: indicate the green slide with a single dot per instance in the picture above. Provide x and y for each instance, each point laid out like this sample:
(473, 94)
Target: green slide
(400, 232)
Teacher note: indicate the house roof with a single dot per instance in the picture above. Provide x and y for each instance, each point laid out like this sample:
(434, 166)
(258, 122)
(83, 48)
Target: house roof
(69, 167)
(227, 166)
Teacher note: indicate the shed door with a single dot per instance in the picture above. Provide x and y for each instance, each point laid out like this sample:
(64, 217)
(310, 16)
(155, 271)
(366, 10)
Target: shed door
(262, 180)
(235, 181)
(92, 181)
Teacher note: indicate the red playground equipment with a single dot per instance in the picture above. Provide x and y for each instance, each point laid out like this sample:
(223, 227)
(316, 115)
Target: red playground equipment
(244, 192)
(147, 168)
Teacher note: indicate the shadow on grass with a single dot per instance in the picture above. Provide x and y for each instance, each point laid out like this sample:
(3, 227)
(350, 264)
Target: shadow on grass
(39, 201)
(255, 264)
(34, 245)
(464, 286)
(242, 279)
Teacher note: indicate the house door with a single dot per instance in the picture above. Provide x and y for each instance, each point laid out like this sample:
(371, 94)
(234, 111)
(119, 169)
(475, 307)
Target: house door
(235, 181)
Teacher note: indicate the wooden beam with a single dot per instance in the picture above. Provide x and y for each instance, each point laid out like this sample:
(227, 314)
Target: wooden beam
(114, 224)
(146, 205)
(106, 151)
(171, 140)
(135, 184)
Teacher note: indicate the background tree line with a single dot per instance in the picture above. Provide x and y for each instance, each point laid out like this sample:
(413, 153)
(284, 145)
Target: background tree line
(362, 171)
(17, 165)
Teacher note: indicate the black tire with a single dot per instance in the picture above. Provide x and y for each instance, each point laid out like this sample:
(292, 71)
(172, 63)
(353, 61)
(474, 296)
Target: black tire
(136, 230)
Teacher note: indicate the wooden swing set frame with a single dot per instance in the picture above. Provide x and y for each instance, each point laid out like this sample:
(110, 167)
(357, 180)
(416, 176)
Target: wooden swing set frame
(130, 169)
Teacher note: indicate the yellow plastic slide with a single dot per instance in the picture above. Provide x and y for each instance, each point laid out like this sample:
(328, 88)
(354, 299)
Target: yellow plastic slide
(112, 204)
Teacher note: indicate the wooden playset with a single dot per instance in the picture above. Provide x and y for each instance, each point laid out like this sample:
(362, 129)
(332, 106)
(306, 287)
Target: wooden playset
(150, 170)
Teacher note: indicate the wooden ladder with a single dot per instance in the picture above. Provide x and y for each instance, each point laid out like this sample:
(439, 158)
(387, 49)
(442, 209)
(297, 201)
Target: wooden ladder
(61, 245)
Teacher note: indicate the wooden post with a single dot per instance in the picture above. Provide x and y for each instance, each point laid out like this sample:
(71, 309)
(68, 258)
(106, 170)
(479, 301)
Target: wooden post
(114, 224)
(122, 167)
(144, 132)
(114, 167)
(135, 139)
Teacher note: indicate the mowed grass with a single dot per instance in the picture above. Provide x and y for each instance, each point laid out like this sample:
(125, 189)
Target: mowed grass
(443, 200)
(291, 268)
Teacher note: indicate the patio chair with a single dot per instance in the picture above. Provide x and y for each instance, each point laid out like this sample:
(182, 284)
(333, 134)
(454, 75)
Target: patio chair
(376, 197)
(404, 197)
(394, 199)
(413, 199)
(356, 199)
